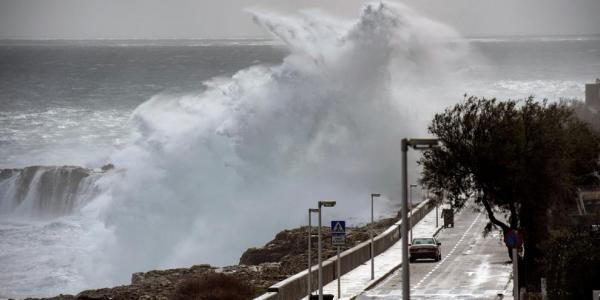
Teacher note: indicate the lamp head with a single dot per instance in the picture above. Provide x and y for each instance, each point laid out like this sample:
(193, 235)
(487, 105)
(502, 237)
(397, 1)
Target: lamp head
(313, 210)
(327, 203)
(420, 144)
(375, 195)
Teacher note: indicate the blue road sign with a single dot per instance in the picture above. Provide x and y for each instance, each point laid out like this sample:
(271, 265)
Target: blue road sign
(513, 238)
(338, 227)
(338, 233)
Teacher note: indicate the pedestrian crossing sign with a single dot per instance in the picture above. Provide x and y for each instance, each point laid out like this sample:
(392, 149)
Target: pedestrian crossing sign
(338, 227)
(338, 233)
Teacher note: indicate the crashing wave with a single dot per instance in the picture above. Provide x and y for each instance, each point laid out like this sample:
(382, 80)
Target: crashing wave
(45, 191)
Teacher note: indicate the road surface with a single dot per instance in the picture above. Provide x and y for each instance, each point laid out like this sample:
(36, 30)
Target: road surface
(472, 267)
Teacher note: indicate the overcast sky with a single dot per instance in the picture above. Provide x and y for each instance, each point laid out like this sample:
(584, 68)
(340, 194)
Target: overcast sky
(83, 19)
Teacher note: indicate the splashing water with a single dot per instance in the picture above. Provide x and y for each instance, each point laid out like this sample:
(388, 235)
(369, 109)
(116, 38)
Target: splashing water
(45, 192)
(206, 176)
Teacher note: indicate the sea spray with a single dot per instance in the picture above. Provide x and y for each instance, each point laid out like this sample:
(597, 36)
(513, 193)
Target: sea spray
(204, 176)
(208, 175)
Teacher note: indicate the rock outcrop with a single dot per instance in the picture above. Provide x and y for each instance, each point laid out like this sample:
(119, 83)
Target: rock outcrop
(290, 247)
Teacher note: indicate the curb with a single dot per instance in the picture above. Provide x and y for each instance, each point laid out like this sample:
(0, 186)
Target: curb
(380, 279)
(438, 231)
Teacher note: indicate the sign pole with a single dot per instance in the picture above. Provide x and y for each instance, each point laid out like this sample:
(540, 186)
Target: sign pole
(514, 240)
(338, 238)
(339, 273)
(515, 259)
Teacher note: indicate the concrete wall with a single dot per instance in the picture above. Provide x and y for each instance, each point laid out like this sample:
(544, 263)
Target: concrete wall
(295, 286)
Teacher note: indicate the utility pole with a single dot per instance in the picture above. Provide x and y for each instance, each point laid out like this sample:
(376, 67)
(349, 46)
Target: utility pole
(372, 240)
(321, 204)
(404, 235)
(417, 144)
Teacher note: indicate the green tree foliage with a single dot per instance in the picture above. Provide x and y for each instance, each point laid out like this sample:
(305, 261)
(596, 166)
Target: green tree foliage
(520, 160)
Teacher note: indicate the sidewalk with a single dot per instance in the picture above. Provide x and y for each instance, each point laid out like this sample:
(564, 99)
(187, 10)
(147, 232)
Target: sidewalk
(356, 281)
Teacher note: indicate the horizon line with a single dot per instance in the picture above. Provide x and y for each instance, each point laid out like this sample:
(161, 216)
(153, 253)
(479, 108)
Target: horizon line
(478, 36)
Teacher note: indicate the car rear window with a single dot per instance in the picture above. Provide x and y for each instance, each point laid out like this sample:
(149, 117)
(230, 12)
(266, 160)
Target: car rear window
(424, 241)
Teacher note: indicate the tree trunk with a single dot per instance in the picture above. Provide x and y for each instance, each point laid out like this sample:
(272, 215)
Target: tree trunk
(505, 228)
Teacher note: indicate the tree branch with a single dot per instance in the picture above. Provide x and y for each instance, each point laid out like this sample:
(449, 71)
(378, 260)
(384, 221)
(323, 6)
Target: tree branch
(490, 213)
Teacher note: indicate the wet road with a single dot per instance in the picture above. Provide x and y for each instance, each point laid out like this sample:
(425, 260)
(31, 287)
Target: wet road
(472, 267)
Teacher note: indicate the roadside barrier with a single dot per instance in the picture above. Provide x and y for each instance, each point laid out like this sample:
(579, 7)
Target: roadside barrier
(294, 287)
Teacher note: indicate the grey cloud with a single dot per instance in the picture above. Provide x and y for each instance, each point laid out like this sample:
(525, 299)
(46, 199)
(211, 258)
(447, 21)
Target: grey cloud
(81, 19)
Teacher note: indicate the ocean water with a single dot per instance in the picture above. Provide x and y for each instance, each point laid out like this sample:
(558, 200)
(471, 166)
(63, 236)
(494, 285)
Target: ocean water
(218, 143)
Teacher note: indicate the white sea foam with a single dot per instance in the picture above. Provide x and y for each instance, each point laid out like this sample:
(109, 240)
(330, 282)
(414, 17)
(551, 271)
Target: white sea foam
(519, 89)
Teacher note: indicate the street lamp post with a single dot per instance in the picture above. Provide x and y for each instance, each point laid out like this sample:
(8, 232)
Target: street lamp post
(321, 204)
(372, 244)
(417, 144)
(437, 204)
(310, 211)
(411, 209)
(437, 217)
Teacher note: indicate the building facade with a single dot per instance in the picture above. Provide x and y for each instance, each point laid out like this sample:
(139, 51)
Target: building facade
(592, 95)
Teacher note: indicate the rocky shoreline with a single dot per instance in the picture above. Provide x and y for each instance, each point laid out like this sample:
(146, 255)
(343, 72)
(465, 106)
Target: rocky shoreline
(260, 268)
